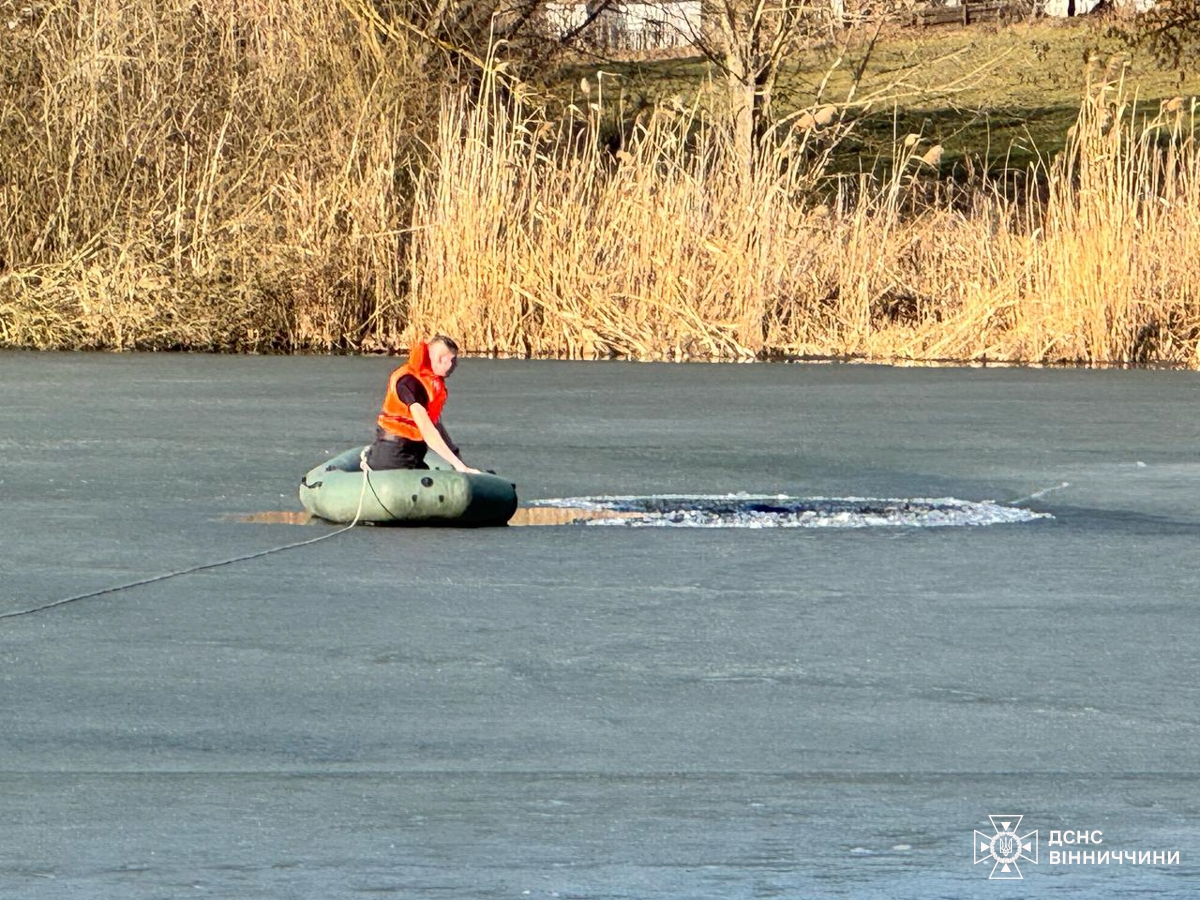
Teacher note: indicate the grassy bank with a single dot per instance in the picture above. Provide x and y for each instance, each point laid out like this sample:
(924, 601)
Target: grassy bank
(278, 176)
(992, 96)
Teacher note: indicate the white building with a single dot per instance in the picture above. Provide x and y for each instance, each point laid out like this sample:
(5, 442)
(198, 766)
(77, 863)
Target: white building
(1058, 8)
(628, 25)
(1083, 7)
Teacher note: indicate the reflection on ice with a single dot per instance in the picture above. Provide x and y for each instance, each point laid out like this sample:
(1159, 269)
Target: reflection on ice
(782, 511)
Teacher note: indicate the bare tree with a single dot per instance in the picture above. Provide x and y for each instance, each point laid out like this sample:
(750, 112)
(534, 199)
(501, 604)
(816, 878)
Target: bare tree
(470, 32)
(1170, 28)
(748, 41)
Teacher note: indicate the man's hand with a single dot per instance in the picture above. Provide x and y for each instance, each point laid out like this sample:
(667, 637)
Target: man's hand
(433, 437)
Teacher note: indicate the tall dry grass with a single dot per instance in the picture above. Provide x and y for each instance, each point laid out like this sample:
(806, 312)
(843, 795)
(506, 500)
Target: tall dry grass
(1115, 273)
(284, 175)
(534, 239)
(201, 174)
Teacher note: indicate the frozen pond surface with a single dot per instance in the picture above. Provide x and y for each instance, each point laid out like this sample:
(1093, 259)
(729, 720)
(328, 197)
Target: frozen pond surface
(600, 712)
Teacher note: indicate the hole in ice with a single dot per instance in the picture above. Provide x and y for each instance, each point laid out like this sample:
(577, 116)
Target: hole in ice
(771, 511)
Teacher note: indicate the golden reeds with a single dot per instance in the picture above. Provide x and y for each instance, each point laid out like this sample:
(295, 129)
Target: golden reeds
(200, 175)
(533, 239)
(275, 175)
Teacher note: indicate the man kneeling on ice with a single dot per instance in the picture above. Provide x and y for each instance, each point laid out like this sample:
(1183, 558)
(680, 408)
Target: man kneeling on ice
(410, 422)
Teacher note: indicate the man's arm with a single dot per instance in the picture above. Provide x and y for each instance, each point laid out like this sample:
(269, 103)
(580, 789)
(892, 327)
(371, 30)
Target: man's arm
(441, 427)
(432, 436)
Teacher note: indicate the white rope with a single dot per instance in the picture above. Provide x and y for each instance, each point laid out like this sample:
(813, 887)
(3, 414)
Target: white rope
(1038, 495)
(213, 565)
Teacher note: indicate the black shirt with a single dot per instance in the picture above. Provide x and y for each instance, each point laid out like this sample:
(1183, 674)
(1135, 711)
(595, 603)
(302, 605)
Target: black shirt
(410, 390)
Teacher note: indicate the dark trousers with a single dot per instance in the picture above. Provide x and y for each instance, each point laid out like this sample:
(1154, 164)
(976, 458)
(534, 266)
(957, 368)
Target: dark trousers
(396, 453)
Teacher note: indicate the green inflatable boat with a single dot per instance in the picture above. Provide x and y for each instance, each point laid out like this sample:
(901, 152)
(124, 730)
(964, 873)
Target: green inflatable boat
(434, 496)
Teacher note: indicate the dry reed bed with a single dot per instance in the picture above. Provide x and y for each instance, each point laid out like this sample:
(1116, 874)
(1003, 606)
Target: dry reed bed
(532, 242)
(200, 174)
(272, 175)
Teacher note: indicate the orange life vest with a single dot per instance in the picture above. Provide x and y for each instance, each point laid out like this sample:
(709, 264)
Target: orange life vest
(395, 419)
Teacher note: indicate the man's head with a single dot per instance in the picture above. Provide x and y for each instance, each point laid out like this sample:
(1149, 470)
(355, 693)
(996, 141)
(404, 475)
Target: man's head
(443, 355)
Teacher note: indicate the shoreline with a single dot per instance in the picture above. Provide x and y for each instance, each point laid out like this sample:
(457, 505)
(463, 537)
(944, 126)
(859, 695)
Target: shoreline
(768, 359)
